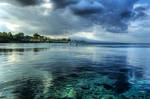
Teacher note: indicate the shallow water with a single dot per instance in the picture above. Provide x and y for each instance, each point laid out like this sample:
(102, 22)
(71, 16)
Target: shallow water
(64, 71)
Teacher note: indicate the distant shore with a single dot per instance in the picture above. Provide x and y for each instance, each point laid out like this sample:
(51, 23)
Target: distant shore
(22, 38)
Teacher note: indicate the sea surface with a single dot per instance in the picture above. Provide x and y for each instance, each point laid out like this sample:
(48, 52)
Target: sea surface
(74, 71)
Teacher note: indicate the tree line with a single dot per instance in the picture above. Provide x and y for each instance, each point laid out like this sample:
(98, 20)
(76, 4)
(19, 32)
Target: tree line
(22, 38)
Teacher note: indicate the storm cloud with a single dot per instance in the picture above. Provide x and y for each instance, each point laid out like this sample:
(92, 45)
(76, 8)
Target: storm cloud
(67, 17)
(29, 2)
(112, 15)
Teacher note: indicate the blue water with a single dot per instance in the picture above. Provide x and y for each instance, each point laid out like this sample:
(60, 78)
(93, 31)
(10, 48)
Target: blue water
(64, 71)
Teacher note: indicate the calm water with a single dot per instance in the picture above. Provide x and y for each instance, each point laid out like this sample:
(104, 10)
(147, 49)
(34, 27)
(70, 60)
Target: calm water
(64, 71)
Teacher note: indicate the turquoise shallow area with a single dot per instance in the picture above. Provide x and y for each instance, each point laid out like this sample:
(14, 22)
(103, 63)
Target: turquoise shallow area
(91, 85)
(64, 71)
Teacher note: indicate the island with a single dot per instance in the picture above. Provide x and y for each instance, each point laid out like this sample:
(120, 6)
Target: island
(8, 37)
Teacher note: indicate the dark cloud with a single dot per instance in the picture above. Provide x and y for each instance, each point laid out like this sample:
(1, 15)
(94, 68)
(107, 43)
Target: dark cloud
(126, 14)
(64, 3)
(140, 12)
(85, 8)
(113, 15)
(29, 2)
(69, 16)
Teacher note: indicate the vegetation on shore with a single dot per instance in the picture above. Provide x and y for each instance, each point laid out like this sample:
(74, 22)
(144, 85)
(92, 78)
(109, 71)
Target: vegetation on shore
(22, 38)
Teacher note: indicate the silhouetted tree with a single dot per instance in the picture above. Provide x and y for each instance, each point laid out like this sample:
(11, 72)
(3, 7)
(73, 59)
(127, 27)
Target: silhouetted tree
(36, 35)
(10, 36)
(19, 36)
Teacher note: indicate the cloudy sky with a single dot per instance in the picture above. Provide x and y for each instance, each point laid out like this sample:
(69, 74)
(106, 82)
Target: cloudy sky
(103, 20)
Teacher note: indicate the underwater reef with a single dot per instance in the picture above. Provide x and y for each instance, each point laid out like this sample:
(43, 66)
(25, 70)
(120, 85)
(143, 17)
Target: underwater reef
(81, 85)
(91, 85)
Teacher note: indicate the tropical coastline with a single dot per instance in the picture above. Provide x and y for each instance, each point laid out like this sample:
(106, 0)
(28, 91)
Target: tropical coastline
(35, 38)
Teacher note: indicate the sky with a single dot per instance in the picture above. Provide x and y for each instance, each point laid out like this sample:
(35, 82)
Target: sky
(99, 20)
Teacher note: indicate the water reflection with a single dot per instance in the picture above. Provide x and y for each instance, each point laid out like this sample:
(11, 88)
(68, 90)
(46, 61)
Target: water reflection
(22, 50)
(69, 72)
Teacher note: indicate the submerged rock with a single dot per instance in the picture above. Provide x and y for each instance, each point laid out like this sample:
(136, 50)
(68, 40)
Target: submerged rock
(67, 98)
(121, 87)
(108, 87)
(85, 87)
